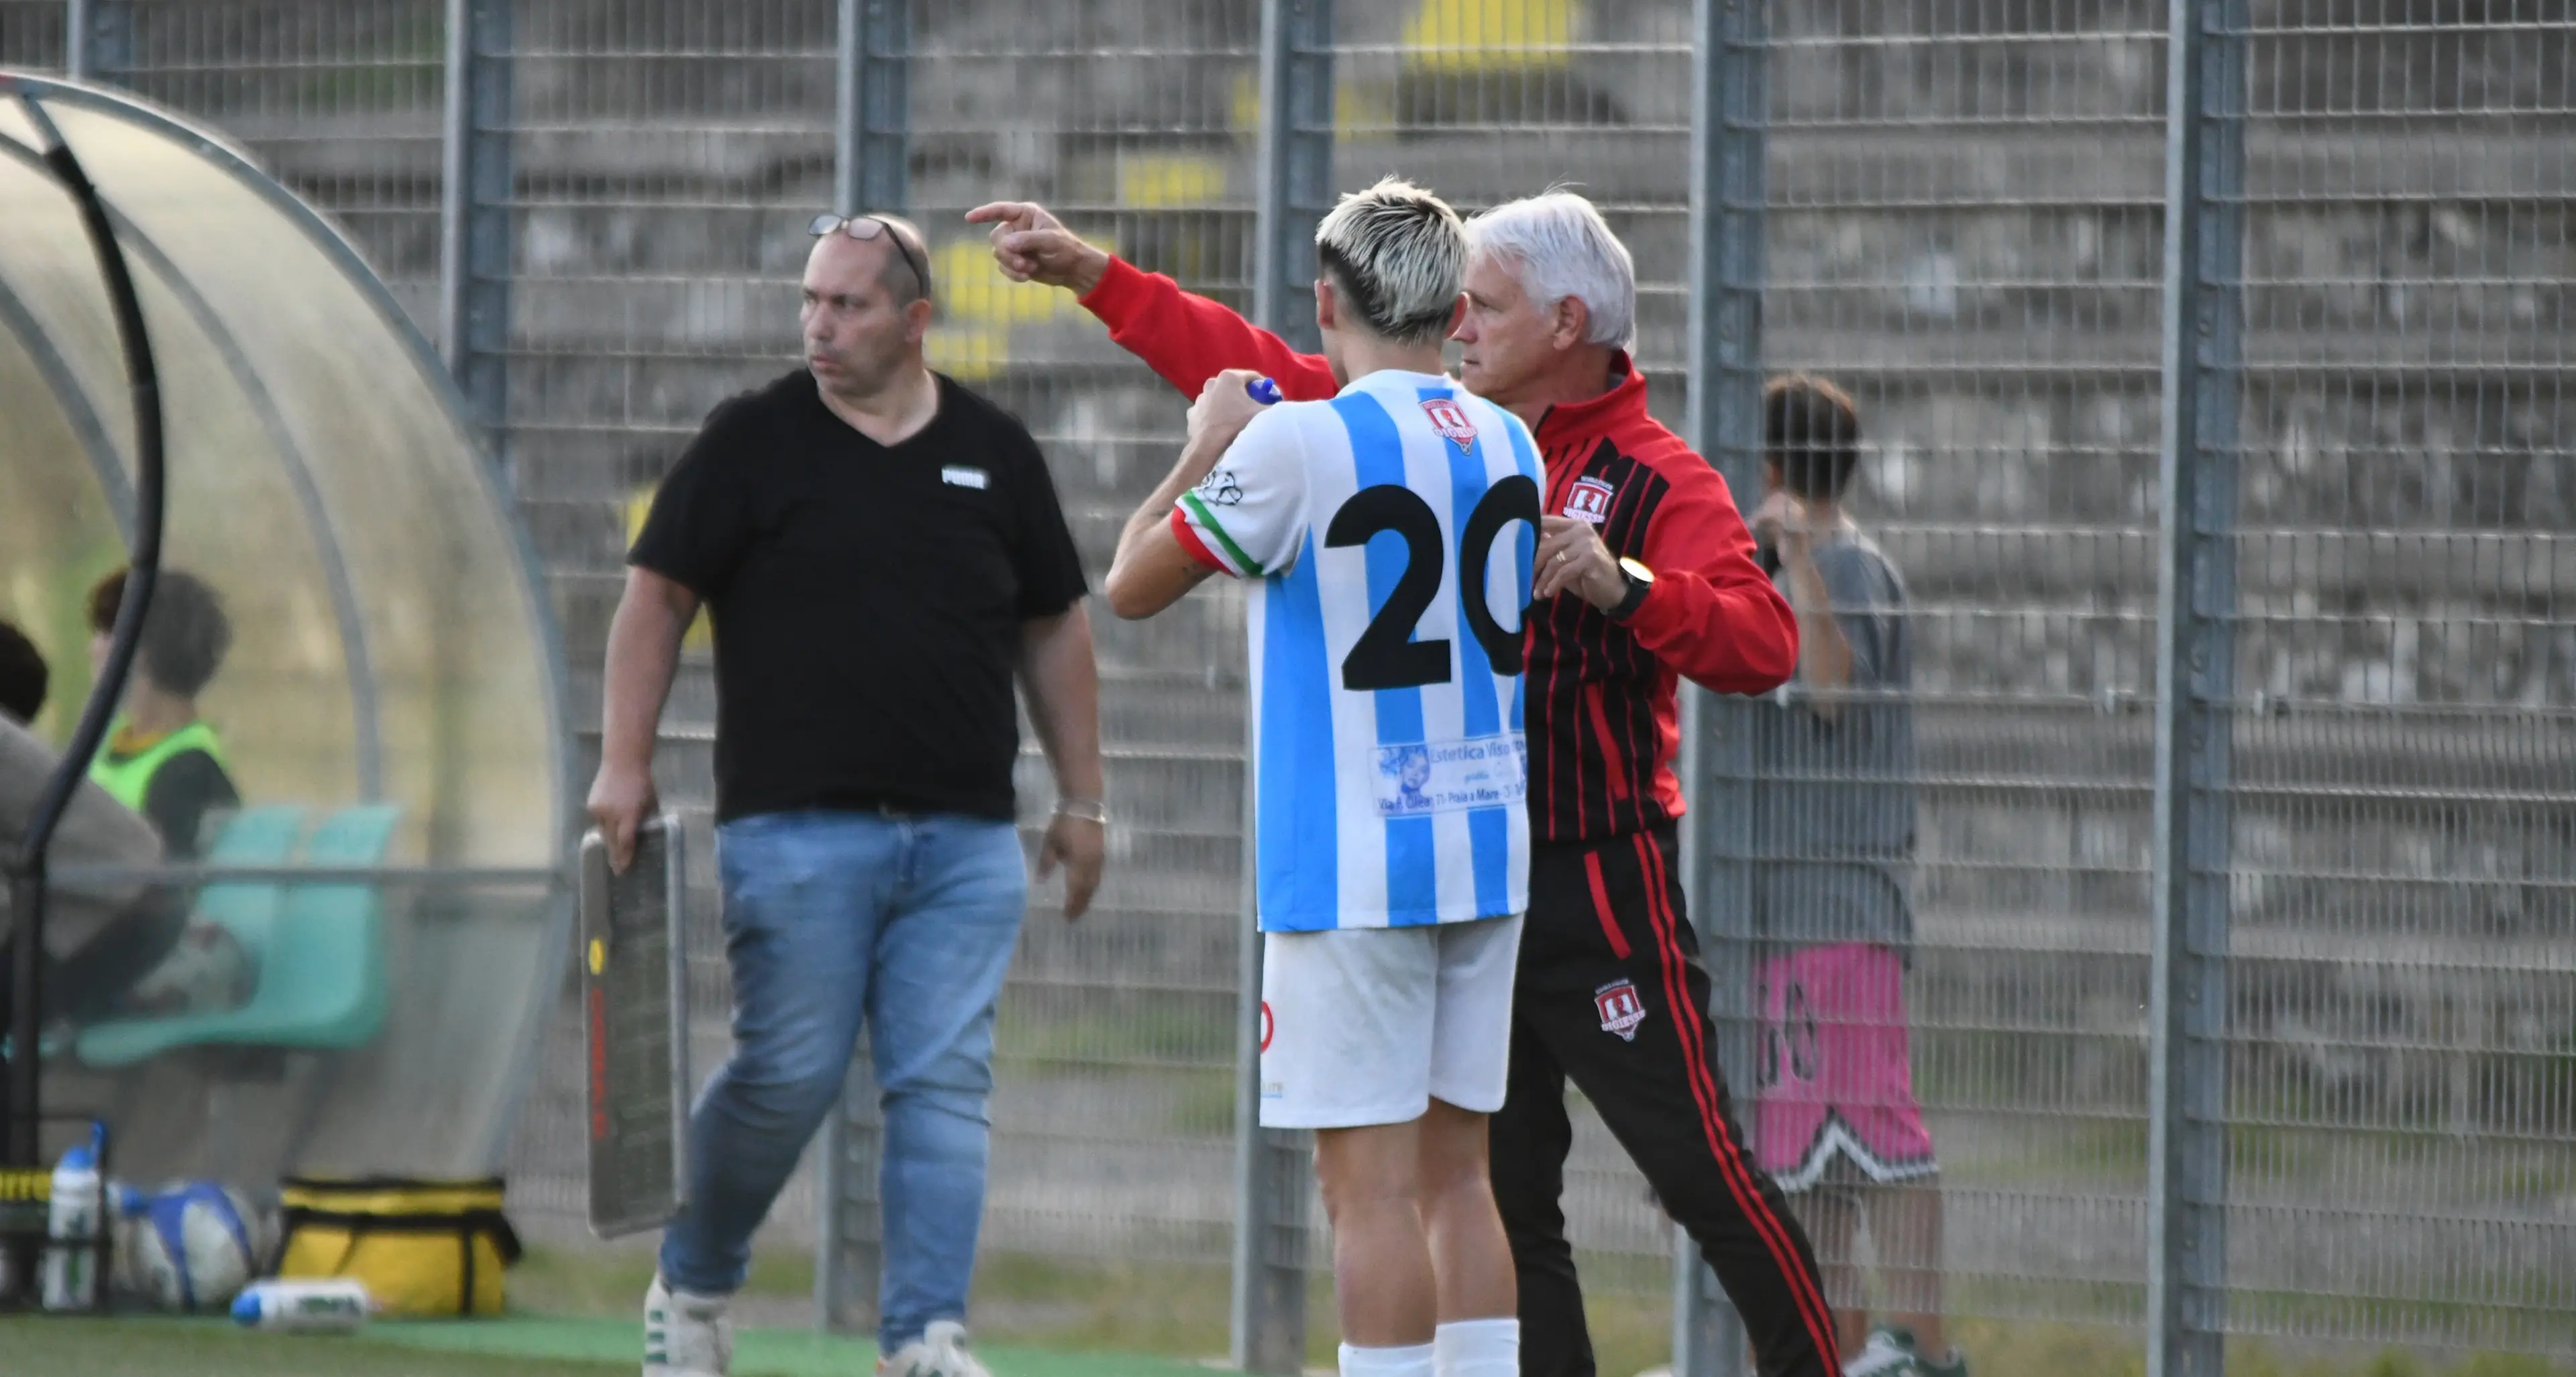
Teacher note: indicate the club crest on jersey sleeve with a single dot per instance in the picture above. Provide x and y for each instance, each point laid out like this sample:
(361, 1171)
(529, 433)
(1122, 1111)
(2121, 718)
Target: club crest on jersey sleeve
(1589, 499)
(1220, 488)
(1450, 421)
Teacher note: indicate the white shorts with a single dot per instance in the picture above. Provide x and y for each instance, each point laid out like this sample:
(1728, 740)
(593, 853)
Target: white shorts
(1368, 1025)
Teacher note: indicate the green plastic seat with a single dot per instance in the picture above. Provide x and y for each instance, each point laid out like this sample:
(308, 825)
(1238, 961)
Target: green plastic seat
(254, 836)
(320, 958)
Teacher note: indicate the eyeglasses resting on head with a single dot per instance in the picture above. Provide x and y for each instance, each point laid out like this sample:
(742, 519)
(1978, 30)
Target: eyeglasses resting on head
(868, 229)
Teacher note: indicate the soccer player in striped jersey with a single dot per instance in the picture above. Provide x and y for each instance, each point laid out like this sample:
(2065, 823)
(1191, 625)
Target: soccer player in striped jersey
(1392, 529)
(1648, 578)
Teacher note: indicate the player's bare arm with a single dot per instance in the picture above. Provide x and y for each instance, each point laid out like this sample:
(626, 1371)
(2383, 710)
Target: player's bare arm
(1152, 571)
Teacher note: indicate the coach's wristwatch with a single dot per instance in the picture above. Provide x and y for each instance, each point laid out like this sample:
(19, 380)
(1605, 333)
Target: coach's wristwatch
(1641, 581)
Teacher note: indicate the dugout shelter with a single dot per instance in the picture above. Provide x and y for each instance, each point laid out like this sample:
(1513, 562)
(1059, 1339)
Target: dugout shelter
(392, 706)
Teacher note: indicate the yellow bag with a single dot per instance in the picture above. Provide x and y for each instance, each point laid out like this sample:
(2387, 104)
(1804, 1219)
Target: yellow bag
(424, 1248)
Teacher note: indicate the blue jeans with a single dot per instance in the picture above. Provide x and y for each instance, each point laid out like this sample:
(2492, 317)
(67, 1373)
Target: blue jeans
(828, 917)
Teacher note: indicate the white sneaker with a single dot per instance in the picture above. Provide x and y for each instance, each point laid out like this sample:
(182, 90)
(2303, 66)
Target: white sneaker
(685, 1335)
(939, 1352)
(1889, 1353)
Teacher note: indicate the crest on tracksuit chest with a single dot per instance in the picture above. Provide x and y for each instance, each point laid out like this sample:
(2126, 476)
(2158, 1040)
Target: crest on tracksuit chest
(1589, 499)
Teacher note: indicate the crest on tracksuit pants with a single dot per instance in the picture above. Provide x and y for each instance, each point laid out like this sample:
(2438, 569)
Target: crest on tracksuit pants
(1621, 1009)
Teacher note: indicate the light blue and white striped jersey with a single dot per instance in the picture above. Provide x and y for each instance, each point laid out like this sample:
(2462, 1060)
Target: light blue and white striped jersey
(1392, 529)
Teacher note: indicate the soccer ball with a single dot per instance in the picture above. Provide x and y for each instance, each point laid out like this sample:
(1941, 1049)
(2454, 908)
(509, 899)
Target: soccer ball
(192, 1245)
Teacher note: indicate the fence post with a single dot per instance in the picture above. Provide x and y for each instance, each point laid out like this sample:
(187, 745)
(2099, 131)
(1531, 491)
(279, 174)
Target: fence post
(1729, 111)
(849, 1248)
(474, 239)
(871, 142)
(1294, 165)
(1293, 184)
(2195, 664)
(871, 166)
(98, 39)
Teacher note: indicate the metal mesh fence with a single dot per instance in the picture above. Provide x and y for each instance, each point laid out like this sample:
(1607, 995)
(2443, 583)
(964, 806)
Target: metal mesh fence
(339, 102)
(2404, 791)
(1131, 120)
(1484, 104)
(34, 34)
(1965, 229)
(666, 162)
(1964, 233)
(663, 159)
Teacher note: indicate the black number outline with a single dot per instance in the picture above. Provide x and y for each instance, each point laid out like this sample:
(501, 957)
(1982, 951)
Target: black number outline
(1513, 499)
(1386, 655)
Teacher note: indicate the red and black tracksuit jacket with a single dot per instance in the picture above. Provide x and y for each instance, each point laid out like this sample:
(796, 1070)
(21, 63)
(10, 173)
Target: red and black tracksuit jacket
(1611, 993)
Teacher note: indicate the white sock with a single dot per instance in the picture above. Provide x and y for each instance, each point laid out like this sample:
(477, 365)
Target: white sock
(1477, 1348)
(1412, 1360)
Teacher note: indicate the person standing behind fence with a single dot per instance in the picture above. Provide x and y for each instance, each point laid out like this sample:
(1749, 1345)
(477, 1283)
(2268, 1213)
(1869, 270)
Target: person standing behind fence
(881, 551)
(24, 676)
(1646, 576)
(1837, 1123)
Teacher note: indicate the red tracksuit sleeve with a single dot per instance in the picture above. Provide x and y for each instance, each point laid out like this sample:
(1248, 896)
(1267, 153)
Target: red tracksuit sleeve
(1712, 615)
(1190, 339)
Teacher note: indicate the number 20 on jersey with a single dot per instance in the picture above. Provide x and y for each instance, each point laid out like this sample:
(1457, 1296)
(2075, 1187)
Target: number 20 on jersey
(1386, 655)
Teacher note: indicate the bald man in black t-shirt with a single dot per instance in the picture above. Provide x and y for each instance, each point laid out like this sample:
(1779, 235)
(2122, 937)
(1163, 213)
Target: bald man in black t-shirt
(882, 554)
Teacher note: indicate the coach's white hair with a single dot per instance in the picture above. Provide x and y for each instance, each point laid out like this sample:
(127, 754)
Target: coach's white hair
(1398, 254)
(1559, 247)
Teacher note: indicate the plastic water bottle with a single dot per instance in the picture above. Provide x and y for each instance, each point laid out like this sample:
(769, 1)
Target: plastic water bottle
(1264, 391)
(72, 1216)
(331, 1305)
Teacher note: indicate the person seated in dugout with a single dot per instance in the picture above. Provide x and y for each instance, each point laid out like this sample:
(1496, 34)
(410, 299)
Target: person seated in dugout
(161, 759)
(99, 940)
(24, 677)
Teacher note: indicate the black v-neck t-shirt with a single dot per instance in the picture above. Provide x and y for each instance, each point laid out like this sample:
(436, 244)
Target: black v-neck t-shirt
(867, 600)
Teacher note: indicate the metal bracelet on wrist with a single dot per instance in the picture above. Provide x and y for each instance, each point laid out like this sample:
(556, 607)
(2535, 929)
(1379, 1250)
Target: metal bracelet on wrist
(1087, 809)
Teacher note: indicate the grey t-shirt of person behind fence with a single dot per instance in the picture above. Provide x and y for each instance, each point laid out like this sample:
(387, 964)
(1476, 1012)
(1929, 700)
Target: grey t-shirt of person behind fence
(1833, 814)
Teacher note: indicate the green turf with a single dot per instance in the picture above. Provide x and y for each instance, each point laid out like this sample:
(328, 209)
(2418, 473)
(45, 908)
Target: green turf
(533, 1346)
(756, 1353)
(44, 1347)
(598, 1347)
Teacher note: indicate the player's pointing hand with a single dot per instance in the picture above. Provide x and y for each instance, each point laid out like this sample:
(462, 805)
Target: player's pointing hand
(1033, 246)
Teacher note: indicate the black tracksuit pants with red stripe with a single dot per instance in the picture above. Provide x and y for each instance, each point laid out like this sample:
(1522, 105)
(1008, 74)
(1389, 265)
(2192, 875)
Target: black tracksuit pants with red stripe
(1611, 994)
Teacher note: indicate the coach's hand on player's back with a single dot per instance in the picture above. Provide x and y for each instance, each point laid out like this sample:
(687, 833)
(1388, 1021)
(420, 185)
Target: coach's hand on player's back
(620, 799)
(1033, 246)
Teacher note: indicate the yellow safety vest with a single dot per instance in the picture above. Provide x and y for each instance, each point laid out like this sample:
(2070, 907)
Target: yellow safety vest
(129, 781)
